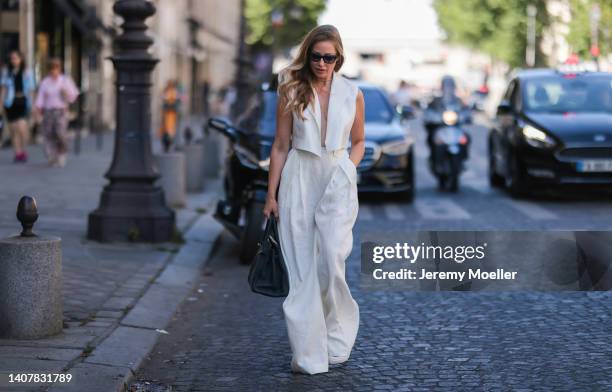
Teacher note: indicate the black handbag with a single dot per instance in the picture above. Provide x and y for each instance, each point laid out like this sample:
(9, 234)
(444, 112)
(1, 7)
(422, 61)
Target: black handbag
(268, 273)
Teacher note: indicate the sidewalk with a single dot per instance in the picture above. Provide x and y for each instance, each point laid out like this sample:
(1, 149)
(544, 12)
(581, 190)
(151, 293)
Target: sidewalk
(110, 313)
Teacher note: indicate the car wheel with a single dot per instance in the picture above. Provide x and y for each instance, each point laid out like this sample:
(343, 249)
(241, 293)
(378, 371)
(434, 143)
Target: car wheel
(252, 232)
(495, 180)
(515, 179)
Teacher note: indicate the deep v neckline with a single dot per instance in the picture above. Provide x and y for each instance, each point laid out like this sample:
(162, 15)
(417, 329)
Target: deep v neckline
(323, 139)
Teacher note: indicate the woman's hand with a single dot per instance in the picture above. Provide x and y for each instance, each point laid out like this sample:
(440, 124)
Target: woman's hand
(271, 206)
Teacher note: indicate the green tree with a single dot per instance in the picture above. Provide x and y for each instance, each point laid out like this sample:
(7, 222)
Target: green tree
(295, 18)
(579, 36)
(496, 27)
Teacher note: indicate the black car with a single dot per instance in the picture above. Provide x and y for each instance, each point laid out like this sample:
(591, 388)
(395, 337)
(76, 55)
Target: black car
(553, 128)
(388, 163)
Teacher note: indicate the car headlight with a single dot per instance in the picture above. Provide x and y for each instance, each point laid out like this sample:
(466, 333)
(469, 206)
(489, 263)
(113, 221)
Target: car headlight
(399, 147)
(450, 117)
(536, 137)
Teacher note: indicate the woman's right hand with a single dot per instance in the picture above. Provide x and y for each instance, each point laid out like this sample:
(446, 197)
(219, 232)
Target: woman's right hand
(271, 206)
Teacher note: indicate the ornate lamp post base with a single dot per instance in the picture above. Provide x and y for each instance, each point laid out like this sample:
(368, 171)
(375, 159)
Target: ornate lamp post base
(132, 207)
(136, 215)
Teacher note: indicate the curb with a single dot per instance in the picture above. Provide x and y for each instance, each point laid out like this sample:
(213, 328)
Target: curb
(111, 366)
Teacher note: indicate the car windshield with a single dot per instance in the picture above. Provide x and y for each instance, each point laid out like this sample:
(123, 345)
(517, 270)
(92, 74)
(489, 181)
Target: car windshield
(558, 94)
(377, 106)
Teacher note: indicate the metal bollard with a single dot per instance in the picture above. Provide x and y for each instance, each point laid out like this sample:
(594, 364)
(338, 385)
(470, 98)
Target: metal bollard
(171, 167)
(30, 280)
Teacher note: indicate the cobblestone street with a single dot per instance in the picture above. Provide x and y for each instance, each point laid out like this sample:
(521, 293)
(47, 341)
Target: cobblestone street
(225, 338)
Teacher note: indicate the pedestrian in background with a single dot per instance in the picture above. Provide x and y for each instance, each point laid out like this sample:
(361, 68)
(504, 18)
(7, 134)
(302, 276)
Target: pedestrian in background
(17, 94)
(57, 91)
(171, 104)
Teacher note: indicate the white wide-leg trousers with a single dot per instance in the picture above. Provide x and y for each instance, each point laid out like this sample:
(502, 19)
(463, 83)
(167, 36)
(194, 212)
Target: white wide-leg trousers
(318, 207)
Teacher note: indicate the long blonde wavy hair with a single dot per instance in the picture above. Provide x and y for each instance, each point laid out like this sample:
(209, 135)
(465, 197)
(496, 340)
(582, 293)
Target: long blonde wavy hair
(296, 79)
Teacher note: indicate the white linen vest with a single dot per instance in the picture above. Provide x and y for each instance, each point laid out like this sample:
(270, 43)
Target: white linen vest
(306, 134)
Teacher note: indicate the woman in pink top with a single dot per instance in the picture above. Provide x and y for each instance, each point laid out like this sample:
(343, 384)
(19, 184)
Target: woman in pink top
(55, 93)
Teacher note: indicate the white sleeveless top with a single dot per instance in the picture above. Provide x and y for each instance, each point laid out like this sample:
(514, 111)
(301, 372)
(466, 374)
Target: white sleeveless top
(306, 134)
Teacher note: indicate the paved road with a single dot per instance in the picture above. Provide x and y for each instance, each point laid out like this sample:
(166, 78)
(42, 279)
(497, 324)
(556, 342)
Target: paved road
(227, 339)
(479, 206)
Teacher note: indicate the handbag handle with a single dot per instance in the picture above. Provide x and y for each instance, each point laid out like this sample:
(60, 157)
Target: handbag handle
(274, 236)
(271, 231)
(268, 228)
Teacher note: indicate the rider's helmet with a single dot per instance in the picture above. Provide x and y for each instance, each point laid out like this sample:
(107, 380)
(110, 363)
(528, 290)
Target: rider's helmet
(448, 87)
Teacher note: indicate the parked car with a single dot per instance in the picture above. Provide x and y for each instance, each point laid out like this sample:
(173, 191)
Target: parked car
(388, 162)
(553, 128)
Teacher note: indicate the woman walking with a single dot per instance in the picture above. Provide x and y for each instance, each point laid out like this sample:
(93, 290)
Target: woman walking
(318, 111)
(17, 91)
(56, 92)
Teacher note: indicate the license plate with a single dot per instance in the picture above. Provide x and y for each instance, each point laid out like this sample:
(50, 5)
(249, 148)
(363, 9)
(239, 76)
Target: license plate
(595, 166)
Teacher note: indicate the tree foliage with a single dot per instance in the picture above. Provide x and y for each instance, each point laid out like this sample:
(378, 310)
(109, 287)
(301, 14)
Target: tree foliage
(298, 17)
(579, 36)
(496, 27)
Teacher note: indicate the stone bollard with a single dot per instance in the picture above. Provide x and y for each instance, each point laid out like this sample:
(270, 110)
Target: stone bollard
(30, 280)
(194, 161)
(212, 154)
(171, 167)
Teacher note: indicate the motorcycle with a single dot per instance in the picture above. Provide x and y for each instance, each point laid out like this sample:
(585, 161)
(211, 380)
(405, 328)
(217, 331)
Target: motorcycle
(245, 185)
(449, 143)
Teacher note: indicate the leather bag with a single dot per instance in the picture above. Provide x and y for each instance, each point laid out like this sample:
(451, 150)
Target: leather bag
(268, 273)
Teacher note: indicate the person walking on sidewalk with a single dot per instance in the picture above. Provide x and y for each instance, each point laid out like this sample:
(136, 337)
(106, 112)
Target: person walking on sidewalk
(171, 105)
(318, 110)
(56, 92)
(17, 94)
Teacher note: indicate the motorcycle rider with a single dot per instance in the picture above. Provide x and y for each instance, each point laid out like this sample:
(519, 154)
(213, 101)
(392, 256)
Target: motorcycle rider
(438, 104)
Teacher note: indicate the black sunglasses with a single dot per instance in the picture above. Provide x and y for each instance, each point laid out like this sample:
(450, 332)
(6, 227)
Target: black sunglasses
(327, 58)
